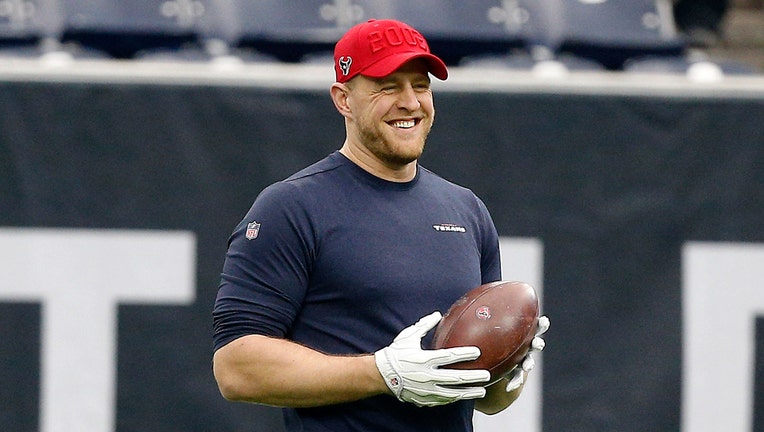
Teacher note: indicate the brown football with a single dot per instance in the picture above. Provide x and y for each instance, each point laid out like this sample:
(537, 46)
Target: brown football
(500, 318)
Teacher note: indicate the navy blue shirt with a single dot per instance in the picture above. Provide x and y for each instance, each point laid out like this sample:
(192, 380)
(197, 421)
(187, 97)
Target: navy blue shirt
(341, 261)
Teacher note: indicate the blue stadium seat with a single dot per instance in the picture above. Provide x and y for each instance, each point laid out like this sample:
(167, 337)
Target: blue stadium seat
(125, 27)
(292, 29)
(26, 23)
(216, 33)
(610, 31)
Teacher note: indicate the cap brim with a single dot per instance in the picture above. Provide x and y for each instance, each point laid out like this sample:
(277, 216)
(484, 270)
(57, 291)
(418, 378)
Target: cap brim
(390, 64)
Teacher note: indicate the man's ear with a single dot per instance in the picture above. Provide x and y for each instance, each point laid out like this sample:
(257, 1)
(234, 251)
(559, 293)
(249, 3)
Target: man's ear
(340, 96)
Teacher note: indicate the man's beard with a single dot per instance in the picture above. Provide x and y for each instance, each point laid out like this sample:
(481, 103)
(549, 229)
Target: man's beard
(375, 142)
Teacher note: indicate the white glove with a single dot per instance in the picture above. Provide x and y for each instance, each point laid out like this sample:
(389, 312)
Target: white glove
(516, 377)
(413, 374)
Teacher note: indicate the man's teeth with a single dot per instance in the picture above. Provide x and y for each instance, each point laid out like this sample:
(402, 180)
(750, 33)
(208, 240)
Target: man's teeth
(404, 124)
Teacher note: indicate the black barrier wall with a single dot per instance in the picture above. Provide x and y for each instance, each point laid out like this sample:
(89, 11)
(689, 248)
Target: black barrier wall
(612, 185)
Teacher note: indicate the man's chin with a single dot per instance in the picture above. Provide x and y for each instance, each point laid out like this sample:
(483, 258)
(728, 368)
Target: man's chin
(405, 154)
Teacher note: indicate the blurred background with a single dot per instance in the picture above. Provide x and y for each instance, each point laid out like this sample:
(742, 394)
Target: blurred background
(619, 145)
(591, 34)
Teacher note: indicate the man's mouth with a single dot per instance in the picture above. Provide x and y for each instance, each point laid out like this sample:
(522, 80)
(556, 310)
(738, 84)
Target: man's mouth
(404, 124)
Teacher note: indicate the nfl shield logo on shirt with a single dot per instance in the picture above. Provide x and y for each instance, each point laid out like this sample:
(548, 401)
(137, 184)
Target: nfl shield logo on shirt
(253, 228)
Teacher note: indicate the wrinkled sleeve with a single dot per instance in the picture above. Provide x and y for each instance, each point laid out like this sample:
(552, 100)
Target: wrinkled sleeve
(266, 269)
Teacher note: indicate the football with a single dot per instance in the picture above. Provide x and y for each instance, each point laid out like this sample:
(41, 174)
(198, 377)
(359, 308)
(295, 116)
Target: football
(500, 318)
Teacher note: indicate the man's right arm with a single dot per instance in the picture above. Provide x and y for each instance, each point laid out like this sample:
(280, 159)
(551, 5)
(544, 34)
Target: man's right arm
(272, 371)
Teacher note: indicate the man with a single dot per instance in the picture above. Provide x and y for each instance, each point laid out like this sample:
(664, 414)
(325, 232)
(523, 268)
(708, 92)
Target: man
(336, 262)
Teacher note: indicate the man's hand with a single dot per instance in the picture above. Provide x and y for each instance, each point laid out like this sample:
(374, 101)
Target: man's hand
(414, 375)
(516, 377)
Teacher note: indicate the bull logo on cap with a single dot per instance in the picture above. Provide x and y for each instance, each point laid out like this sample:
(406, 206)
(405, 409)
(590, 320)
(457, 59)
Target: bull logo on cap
(344, 64)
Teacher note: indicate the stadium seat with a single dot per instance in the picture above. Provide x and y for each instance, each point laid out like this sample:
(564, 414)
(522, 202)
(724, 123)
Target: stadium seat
(290, 30)
(26, 25)
(216, 34)
(609, 31)
(126, 27)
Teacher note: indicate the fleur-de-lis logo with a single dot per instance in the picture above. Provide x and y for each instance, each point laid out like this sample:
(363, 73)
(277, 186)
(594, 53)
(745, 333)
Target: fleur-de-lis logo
(184, 12)
(344, 64)
(510, 14)
(17, 12)
(342, 12)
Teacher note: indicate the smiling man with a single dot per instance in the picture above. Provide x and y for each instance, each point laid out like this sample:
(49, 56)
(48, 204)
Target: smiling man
(329, 268)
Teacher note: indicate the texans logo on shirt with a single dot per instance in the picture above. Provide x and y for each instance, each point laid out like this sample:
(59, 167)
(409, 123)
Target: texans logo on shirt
(448, 227)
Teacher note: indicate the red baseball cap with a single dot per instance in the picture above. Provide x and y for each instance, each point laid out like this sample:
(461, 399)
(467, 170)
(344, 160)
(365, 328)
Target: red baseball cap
(377, 48)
